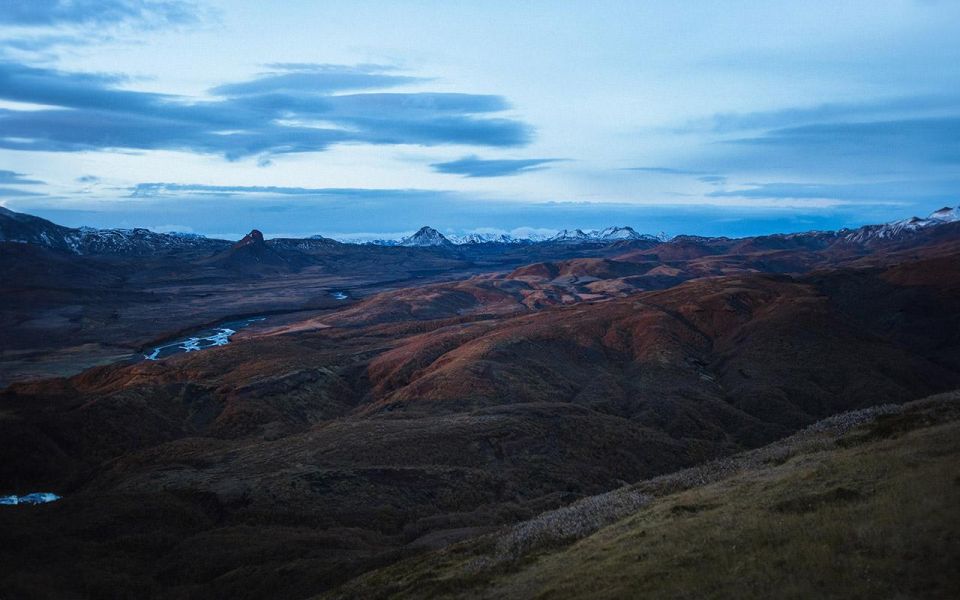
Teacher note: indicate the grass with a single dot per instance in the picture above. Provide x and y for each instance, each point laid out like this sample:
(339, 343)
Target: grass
(857, 512)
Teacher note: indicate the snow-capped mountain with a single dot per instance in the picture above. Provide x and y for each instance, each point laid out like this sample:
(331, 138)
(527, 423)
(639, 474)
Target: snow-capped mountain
(616, 233)
(88, 240)
(424, 238)
(610, 234)
(568, 236)
(625, 233)
(946, 214)
(488, 238)
(19, 227)
(904, 227)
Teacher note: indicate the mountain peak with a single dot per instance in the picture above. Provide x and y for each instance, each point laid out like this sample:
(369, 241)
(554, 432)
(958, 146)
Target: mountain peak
(896, 229)
(567, 235)
(254, 237)
(426, 237)
(947, 213)
(618, 233)
(609, 234)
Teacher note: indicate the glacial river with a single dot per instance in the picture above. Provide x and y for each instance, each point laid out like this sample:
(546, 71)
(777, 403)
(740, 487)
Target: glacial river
(203, 339)
(212, 336)
(34, 498)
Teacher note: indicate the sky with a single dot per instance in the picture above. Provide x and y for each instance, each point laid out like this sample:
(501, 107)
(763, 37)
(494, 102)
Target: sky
(363, 119)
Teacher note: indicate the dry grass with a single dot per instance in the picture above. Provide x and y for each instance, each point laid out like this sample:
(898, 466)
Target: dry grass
(861, 506)
(792, 533)
(568, 523)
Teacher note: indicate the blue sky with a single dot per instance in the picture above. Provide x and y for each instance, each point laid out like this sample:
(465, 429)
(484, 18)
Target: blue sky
(372, 118)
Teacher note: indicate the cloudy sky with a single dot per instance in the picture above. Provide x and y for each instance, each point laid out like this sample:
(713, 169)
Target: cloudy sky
(370, 118)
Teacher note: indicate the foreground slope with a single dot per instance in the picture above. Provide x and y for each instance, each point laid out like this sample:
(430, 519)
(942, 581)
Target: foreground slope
(860, 505)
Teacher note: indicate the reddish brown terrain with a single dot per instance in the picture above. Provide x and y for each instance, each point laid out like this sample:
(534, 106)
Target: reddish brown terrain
(457, 390)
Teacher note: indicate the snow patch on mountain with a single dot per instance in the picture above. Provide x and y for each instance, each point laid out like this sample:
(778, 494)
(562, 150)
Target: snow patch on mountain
(903, 227)
(486, 238)
(567, 235)
(610, 234)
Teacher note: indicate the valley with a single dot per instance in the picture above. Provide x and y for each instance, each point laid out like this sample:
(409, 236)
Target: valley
(401, 406)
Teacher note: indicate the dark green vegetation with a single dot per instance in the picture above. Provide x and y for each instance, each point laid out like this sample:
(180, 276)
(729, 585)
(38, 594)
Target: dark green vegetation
(335, 441)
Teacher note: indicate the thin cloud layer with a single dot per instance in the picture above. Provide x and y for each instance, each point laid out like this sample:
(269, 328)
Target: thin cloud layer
(291, 111)
(143, 13)
(149, 190)
(894, 150)
(935, 139)
(473, 166)
(6, 192)
(944, 191)
(838, 112)
(12, 177)
(664, 171)
(314, 78)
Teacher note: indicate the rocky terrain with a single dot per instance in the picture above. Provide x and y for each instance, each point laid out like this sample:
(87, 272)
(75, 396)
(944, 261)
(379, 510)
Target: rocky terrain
(462, 390)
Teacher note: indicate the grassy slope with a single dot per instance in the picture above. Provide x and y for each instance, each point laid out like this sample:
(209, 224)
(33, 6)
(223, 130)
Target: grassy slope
(866, 511)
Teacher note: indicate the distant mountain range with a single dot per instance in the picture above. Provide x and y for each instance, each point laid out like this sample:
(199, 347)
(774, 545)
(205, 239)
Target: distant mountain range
(20, 227)
(24, 228)
(427, 236)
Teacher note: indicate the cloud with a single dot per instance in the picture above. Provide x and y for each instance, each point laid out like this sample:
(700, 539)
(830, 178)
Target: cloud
(146, 190)
(878, 109)
(143, 13)
(914, 137)
(44, 43)
(300, 77)
(909, 137)
(6, 192)
(269, 115)
(473, 166)
(934, 139)
(663, 171)
(704, 176)
(37, 30)
(712, 179)
(12, 177)
(886, 191)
